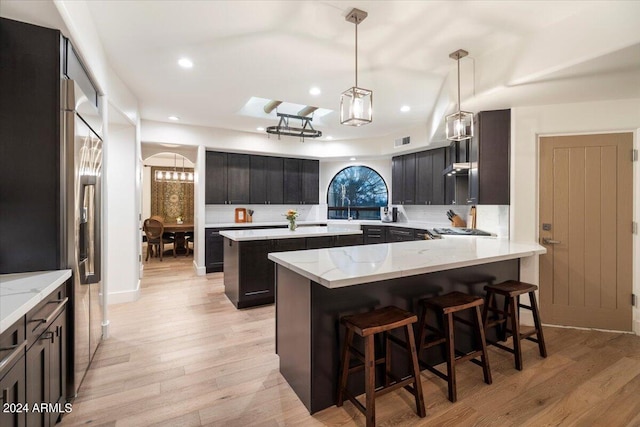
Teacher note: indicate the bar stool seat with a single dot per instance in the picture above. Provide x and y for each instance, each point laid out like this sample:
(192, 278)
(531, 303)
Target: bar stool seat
(511, 291)
(445, 306)
(367, 325)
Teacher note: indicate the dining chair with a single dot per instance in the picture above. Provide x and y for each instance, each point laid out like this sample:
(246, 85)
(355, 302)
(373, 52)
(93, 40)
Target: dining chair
(154, 230)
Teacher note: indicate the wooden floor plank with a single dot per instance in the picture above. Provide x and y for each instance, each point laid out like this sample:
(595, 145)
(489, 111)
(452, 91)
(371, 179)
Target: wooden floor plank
(182, 355)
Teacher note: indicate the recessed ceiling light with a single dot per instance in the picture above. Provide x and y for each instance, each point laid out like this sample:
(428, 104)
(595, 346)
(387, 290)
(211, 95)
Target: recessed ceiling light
(185, 63)
(174, 118)
(315, 91)
(260, 128)
(405, 108)
(329, 138)
(352, 159)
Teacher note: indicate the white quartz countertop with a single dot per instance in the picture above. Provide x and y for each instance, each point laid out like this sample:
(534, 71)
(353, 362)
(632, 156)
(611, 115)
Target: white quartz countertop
(354, 265)
(20, 292)
(283, 223)
(285, 233)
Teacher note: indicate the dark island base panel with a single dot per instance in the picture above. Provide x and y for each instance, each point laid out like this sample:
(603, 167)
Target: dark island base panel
(309, 336)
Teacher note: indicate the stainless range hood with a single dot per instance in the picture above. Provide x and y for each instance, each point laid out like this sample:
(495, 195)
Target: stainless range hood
(457, 159)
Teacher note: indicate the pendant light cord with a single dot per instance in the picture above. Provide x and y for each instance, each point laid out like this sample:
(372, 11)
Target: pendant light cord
(357, 51)
(459, 106)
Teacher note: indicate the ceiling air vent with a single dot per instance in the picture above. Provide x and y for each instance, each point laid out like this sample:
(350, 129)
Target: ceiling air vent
(402, 141)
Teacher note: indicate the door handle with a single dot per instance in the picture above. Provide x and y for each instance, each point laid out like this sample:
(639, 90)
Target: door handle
(546, 241)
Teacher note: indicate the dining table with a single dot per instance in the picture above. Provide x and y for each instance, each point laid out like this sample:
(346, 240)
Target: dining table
(179, 231)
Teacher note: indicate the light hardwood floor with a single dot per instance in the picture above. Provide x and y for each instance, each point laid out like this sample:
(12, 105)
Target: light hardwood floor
(184, 356)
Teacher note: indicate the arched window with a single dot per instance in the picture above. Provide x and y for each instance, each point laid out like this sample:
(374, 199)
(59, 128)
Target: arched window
(356, 192)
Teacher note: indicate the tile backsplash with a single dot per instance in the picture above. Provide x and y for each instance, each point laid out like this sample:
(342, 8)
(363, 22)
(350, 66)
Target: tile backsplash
(491, 218)
(262, 213)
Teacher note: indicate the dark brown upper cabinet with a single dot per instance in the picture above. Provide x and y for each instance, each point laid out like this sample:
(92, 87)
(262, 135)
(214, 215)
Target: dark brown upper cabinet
(430, 185)
(403, 179)
(489, 157)
(267, 180)
(227, 178)
(301, 181)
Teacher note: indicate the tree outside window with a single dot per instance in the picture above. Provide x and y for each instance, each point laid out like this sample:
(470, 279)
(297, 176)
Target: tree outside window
(357, 192)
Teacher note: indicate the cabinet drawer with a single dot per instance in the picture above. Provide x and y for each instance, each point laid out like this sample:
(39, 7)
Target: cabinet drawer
(12, 346)
(40, 317)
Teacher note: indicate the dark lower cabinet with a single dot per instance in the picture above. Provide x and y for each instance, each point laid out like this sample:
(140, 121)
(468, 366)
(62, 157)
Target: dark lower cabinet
(348, 240)
(214, 251)
(373, 234)
(34, 351)
(12, 375)
(320, 242)
(46, 373)
(249, 274)
(398, 234)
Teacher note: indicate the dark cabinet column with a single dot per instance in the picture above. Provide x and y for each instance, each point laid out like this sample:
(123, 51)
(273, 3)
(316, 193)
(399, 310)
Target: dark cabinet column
(238, 178)
(424, 178)
(214, 251)
(292, 181)
(438, 165)
(310, 182)
(397, 181)
(409, 166)
(489, 153)
(258, 180)
(216, 178)
(275, 180)
(13, 386)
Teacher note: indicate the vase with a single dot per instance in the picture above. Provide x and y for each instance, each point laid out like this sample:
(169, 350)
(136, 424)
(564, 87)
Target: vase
(292, 225)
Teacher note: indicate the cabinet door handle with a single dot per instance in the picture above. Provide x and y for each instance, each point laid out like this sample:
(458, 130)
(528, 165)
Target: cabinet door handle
(257, 292)
(8, 359)
(49, 335)
(61, 304)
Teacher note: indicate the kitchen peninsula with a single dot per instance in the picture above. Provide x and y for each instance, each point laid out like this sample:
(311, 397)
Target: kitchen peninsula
(248, 273)
(315, 288)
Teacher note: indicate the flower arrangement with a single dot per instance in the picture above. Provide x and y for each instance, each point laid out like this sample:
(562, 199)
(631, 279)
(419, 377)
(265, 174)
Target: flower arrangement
(291, 216)
(179, 219)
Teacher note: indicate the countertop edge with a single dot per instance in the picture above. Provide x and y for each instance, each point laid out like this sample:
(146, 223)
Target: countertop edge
(290, 235)
(351, 281)
(18, 312)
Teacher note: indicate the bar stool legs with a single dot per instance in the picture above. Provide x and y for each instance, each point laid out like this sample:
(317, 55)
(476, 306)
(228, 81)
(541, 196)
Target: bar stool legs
(367, 325)
(445, 306)
(511, 292)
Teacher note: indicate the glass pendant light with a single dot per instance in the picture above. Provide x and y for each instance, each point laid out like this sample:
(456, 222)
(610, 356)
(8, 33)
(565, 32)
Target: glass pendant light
(459, 124)
(356, 103)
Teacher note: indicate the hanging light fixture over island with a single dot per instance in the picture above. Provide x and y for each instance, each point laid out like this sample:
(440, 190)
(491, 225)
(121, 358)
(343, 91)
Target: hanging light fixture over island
(459, 124)
(356, 103)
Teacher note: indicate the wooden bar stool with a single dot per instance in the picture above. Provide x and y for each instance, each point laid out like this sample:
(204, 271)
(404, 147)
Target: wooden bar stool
(367, 325)
(445, 306)
(511, 291)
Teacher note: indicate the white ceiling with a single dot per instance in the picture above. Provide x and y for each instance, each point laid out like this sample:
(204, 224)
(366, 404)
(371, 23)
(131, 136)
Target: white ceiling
(521, 53)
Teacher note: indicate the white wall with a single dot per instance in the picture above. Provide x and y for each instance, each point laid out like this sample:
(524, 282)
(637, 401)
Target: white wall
(122, 251)
(527, 124)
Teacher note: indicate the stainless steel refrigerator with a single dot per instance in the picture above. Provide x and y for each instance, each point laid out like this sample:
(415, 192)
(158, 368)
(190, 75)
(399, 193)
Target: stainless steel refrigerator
(82, 192)
(50, 175)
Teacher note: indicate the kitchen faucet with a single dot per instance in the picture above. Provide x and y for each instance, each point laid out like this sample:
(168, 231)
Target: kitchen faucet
(344, 196)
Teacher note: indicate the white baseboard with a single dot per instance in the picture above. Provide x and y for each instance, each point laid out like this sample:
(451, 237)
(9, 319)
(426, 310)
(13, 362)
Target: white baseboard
(200, 271)
(125, 296)
(105, 330)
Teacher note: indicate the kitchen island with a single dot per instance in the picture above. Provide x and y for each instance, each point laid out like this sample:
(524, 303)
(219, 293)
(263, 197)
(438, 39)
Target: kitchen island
(248, 273)
(315, 288)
